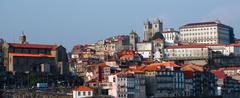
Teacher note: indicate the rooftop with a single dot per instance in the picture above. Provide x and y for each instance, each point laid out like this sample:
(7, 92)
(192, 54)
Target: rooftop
(44, 46)
(30, 55)
(83, 88)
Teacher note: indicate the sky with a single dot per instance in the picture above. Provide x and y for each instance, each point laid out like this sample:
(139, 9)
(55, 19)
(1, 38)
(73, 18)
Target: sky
(71, 22)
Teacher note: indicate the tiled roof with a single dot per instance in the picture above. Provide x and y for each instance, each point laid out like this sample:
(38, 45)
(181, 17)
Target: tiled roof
(83, 88)
(200, 24)
(218, 74)
(30, 55)
(204, 24)
(157, 66)
(170, 64)
(53, 47)
(192, 67)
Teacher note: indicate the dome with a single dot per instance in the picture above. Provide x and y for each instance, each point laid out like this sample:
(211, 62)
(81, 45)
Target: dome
(158, 35)
(133, 33)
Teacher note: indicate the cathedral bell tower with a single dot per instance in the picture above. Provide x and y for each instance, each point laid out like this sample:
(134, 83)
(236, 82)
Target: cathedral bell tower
(147, 30)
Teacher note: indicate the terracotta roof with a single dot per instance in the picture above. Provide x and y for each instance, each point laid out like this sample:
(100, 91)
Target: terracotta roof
(45, 46)
(218, 74)
(234, 44)
(151, 68)
(83, 88)
(192, 67)
(170, 64)
(30, 55)
(157, 66)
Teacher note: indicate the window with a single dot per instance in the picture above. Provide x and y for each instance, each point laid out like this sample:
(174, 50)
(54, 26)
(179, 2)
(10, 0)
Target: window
(89, 93)
(79, 93)
(84, 93)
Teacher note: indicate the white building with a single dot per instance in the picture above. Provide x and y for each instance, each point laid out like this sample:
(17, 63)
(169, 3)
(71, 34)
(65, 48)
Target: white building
(226, 49)
(127, 85)
(182, 52)
(213, 32)
(145, 49)
(82, 92)
(171, 37)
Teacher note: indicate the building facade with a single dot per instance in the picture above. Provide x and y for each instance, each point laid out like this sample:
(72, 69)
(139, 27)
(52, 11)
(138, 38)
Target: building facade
(83, 92)
(127, 85)
(171, 37)
(213, 32)
(24, 57)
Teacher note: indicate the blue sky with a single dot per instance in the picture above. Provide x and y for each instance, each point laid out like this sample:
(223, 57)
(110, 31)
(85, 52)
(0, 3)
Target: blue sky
(70, 22)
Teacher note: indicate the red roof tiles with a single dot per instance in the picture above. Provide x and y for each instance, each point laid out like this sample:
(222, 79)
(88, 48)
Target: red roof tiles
(83, 88)
(30, 55)
(218, 74)
(53, 47)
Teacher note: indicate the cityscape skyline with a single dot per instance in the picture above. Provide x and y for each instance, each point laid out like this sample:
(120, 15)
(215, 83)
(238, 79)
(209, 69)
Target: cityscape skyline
(75, 25)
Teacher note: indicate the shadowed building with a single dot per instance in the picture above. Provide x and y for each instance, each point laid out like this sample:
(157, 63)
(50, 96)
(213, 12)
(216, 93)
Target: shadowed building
(24, 57)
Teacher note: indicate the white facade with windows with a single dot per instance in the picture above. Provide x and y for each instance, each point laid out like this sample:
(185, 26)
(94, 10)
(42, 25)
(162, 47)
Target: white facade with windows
(206, 32)
(171, 37)
(145, 49)
(127, 85)
(186, 52)
(82, 92)
(226, 49)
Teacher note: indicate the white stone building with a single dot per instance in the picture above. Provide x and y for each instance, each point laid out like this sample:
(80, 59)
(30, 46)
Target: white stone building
(213, 32)
(182, 52)
(145, 49)
(82, 92)
(171, 37)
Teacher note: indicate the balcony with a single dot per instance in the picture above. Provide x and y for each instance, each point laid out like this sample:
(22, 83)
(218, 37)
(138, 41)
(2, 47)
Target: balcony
(106, 85)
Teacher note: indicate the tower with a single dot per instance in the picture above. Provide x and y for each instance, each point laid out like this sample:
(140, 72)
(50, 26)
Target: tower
(22, 38)
(133, 40)
(157, 26)
(150, 29)
(147, 31)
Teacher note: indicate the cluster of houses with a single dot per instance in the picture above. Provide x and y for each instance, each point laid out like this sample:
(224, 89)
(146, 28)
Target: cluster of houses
(194, 61)
(165, 79)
